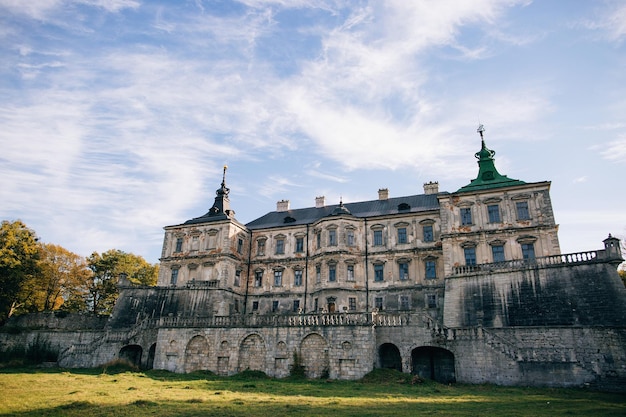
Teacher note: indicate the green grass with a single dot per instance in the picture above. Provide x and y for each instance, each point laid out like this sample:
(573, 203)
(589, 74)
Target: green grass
(115, 391)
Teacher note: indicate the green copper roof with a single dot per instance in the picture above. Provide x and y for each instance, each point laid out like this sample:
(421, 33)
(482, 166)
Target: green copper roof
(488, 175)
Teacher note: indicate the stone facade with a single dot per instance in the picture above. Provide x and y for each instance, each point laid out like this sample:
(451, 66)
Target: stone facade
(467, 286)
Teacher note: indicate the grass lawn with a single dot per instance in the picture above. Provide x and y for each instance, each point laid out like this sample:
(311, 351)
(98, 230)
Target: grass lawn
(120, 393)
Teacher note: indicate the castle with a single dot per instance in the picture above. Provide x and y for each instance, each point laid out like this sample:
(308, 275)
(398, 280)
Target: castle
(465, 286)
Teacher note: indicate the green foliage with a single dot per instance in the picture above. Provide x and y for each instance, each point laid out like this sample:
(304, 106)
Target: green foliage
(36, 352)
(297, 370)
(622, 274)
(19, 252)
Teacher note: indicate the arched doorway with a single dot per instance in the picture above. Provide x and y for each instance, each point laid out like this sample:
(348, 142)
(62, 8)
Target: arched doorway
(252, 354)
(131, 353)
(389, 357)
(434, 363)
(151, 353)
(197, 354)
(314, 355)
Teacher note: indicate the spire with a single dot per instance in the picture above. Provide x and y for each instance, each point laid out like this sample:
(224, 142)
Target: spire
(222, 203)
(488, 175)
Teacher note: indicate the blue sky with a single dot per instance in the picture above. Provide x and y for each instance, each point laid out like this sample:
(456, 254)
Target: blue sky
(117, 115)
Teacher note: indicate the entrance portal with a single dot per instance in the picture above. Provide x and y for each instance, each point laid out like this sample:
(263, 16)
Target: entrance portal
(434, 363)
(132, 353)
(389, 357)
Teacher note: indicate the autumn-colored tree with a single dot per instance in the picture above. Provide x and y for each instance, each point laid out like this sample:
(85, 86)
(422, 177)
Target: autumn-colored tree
(19, 251)
(63, 280)
(106, 270)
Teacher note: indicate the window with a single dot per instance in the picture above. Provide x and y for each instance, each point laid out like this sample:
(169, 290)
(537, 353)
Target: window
(528, 251)
(297, 277)
(378, 272)
(274, 306)
(431, 300)
(351, 303)
(318, 240)
(260, 247)
(296, 306)
(470, 256)
(299, 244)
(174, 276)
(428, 233)
(350, 238)
(498, 253)
(315, 304)
(280, 246)
(378, 237)
(404, 302)
(258, 279)
(332, 237)
(350, 273)
(493, 210)
(402, 235)
(278, 278)
(378, 303)
(431, 269)
(212, 241)
(236, 306)
(332, 273)
(522, 210)
(239, 245)
(255, 306)
(404, 270)
(466, 216)
(318, 273)
(237, 278)
(179, 245)
(195, 243)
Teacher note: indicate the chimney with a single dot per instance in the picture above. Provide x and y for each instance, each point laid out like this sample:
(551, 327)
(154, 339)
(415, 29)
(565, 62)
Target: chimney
(282, 205)
(431, 187)
(383, 194)
(320, 202)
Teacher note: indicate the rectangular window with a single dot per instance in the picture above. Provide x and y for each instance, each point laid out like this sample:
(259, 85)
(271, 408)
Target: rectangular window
(379, 272)
(493, 210)
(466, 216)
(470, 256)
(350, 273)
(332, 273)
(236, 307)
(297, 277)
(315, 305)
(378, 303)
(431, 270)
(280, 246)
(240, 245)
(237, 278)
(404, 270)
(522, 210)
(428, 233)
(299, 244)
(404, 302)
(350, 238)
(402, 235)
(278, 278)
(296, 306)
(318, 240)
(260, 247)
(498, 253)
(274, 306)
(431, 300)
(179, 244)
(352, 303)
(332, 237)
(528, 251)
(195, 243)
(258, 279)
(378, 237)
(174, 276)
(255, 306)
(318, 274)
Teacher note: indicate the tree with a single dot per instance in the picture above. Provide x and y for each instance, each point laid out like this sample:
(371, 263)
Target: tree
(19, 252)
(106, 269)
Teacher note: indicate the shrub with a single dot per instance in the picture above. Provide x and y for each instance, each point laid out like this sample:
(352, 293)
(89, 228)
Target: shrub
(297, 370)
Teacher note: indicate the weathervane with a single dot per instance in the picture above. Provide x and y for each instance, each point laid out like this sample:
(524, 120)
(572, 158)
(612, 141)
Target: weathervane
(480, 130)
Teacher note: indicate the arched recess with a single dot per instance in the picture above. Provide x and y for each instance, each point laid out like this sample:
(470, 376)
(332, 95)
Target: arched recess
(314, 355)
(131, 353)
(252, 353)
(197, 354)
(434, 363)
(389, 357)
(151, 353)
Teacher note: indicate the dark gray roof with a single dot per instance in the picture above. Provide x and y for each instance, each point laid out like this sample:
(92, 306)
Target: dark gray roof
(397, 205)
